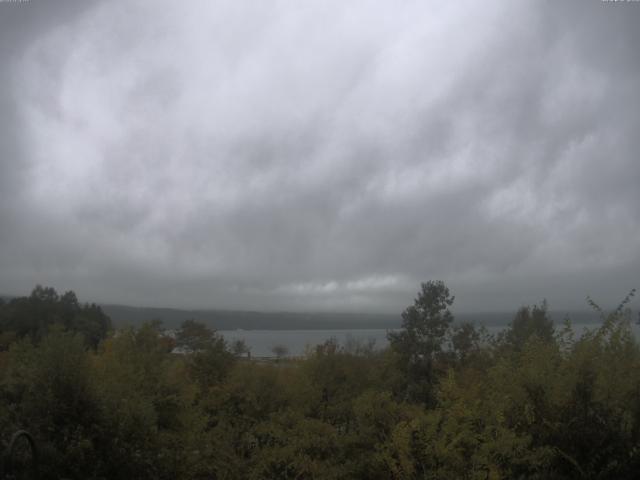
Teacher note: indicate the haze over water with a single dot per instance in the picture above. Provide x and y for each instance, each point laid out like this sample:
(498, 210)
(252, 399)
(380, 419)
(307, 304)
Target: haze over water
(262, 342)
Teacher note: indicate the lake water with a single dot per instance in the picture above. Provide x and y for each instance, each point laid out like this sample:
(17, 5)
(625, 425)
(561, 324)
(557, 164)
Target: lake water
(261, 342)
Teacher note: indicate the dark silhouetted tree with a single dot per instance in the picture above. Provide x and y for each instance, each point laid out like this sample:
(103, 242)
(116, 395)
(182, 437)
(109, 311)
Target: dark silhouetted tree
(208, 357)
(424, 328)
(527, 322)
(35, 315)
(280, 351)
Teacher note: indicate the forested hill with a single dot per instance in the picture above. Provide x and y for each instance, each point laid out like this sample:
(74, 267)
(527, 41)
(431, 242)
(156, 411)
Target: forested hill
(122, 315)
(125, 315)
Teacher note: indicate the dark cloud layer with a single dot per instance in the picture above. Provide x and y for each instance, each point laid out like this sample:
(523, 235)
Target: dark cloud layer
(325, 155)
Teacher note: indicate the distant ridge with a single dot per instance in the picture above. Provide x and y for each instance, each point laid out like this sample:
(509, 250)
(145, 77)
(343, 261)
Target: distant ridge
(122, 315)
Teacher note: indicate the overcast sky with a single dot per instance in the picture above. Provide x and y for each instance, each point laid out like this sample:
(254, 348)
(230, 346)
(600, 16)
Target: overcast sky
(320, 155)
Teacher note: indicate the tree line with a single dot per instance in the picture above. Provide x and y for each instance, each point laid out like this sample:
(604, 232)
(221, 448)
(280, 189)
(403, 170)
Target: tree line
(445, 400)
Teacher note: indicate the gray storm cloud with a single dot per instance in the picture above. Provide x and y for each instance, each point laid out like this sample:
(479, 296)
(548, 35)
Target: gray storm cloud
(323, 155)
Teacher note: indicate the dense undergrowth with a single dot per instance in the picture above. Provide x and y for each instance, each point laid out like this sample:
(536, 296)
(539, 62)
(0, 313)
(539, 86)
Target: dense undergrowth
(444, 401)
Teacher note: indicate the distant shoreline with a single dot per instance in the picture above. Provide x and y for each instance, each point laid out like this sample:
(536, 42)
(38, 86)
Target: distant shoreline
(122, 316)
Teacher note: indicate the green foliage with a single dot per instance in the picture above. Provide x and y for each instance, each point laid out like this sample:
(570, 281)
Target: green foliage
(240, 348)
(48, 390)
(465, 341)
(147, 423)
(442, 402)
(529, 321)
(292, 446)
(419, 344)
(425, 323)
(207, 356)
(34, 316)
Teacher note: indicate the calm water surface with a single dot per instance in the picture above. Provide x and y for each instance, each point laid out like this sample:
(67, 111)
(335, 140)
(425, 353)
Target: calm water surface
(261, 342)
